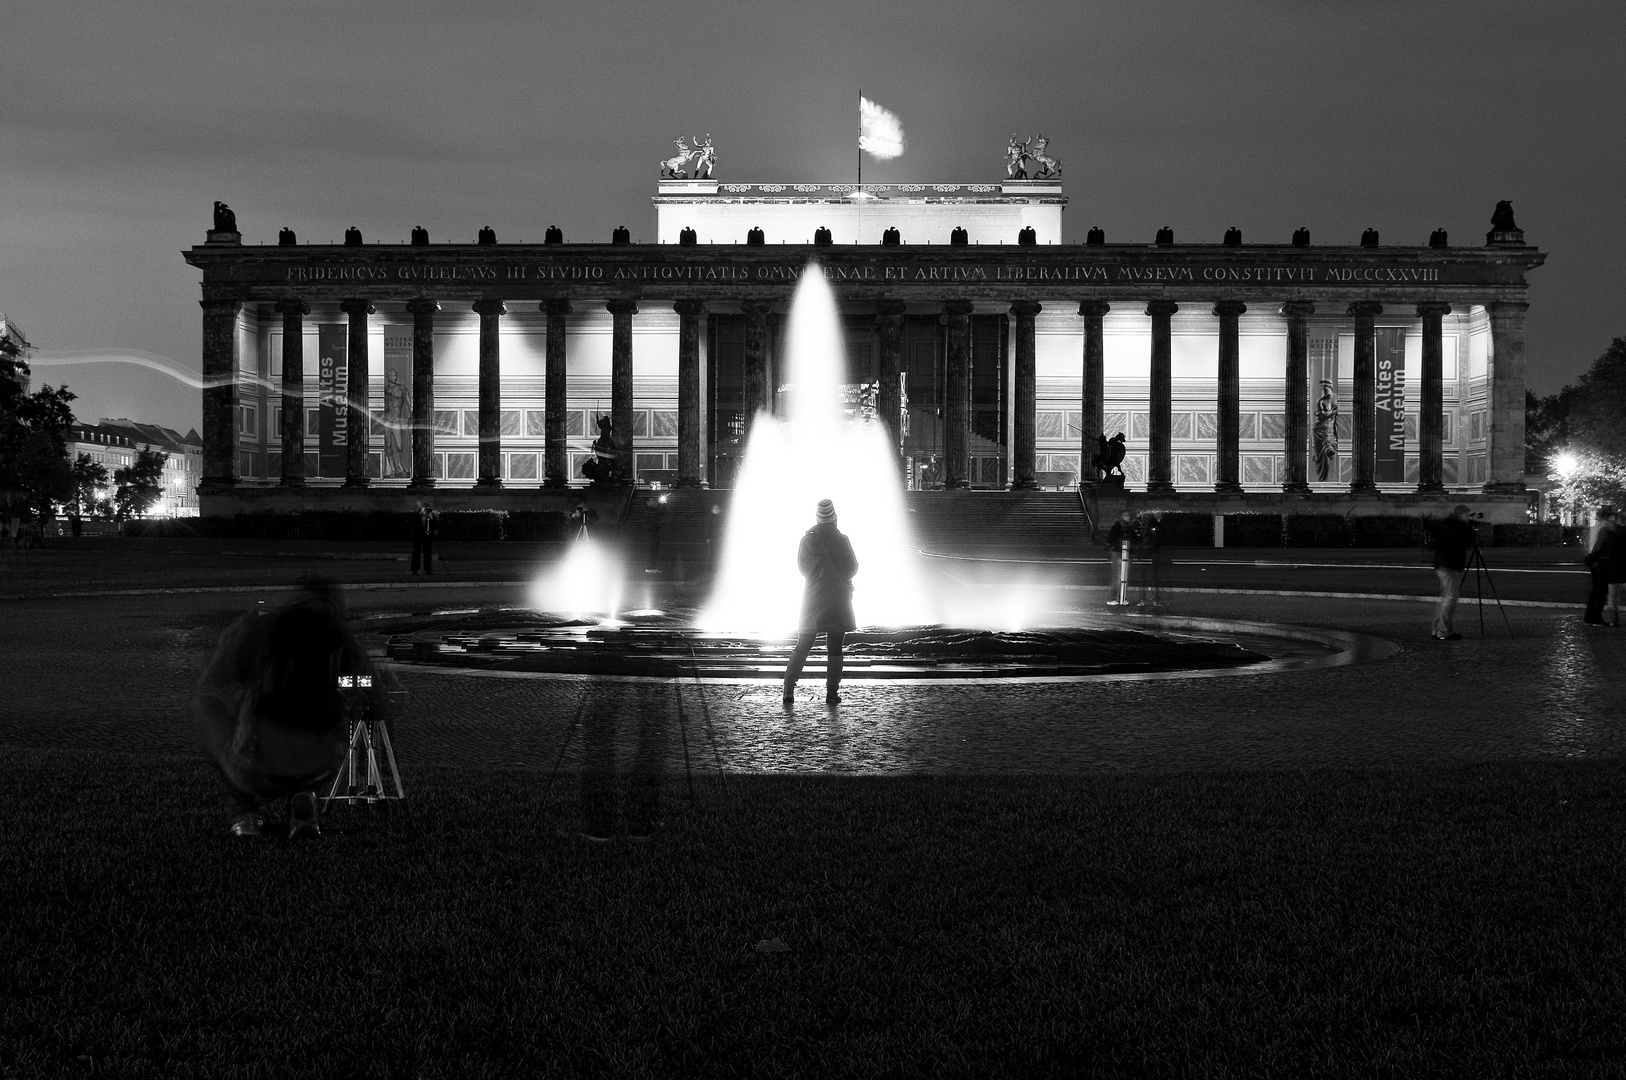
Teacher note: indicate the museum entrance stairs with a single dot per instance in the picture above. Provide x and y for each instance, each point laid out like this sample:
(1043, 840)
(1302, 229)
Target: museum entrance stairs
(1033, 524)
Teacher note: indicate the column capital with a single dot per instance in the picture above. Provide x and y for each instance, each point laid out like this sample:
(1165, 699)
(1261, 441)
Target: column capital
(487, 306)
(1432, 309)
(357, 308)
(890, 309)
(1093, 309)
(555, 306)
(293, 305)
(755, 307)
(1507, 308)
(1161, 307)
(621, 305)
(957, 307)
(422, 305)
(689, 307)
(1365, 309)
(212, 303)
(1298, 309)
(1229, 309)
(1026, 308)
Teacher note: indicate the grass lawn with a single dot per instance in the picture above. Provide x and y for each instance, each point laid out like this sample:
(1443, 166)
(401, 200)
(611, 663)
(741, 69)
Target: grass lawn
(1446, 922)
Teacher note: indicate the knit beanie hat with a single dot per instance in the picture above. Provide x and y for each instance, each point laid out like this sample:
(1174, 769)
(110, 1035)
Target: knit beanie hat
(827, 512)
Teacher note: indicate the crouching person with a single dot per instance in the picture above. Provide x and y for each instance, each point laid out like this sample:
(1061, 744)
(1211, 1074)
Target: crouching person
(269, 711)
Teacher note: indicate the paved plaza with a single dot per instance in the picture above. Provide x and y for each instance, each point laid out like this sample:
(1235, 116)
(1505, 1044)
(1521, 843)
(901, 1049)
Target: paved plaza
(102, 654)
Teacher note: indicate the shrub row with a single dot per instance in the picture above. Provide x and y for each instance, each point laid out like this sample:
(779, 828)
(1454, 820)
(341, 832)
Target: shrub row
(478, 525)
(1184, 529)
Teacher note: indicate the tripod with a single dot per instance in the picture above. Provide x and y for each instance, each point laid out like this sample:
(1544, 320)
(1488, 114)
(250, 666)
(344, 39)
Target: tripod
(1476, 563)
(365, 731)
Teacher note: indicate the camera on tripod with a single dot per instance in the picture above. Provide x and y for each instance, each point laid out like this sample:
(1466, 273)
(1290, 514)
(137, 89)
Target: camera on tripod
(360, 774)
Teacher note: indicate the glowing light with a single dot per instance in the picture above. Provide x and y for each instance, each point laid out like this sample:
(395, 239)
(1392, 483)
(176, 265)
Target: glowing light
(1565, 463)
(586, 582)
(815, 453)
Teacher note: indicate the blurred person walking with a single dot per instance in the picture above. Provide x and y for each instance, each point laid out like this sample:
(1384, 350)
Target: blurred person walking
(1454, 538)
(1119, 537)
(1607, 561)
(825, 558)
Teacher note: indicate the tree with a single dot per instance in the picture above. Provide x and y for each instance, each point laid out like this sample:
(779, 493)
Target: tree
(89, 478)
(1578, 435)
(34, 468)
(139, 485)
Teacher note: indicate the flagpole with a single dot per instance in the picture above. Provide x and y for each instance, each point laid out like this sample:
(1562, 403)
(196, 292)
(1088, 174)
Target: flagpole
(860, 138)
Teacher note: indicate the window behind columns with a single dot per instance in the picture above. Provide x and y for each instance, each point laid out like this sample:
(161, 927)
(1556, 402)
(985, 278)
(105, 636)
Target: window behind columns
(725, 397)
(989, 380)
(924, 342)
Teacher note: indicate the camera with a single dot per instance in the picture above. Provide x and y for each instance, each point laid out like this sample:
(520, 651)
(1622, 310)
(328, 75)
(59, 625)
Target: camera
(355, 682)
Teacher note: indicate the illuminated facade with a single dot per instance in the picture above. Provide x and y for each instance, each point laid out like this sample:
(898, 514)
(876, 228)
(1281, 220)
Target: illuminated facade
(996, 352)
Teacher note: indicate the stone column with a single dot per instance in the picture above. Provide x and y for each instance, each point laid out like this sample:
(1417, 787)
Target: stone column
(293, 390)
(691, 447)
(1505, 449)
(220, 361)
(889, 366)
(490, 311)
(1296, 440)
(1431, 419)
(757, 397)
(1365, 448)
(957, 396)
(622, 310)
(1024, 398)
(1160, 467)
(359, 406)
(555, 460)
(1229, 399)
(423, 392)
(1093, 399)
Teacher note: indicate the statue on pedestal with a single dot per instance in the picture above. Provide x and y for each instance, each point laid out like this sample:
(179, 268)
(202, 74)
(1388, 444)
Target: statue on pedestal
(397, 422)
(672, 168)
(1049, 167)
(708, 157)
(1016, 156)
(608, 463)
(226, 221)
(1326, 431)
(352, 237)
(1501, 217)
(1110, 458)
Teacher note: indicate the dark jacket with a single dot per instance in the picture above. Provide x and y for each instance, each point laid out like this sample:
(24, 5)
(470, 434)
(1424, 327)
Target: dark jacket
(1453, 539)
(825, 558)
(1609, 553)
(1118, 534)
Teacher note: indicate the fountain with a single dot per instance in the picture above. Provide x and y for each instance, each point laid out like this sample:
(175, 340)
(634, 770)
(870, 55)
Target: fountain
(813, 453)
(814, 450)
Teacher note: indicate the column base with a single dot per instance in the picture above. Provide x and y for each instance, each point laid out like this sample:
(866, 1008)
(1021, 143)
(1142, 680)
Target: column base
(956, 485)
(1431, 489)
(293, 481)
(1228, 487)
(1359, 488)
(209, 482)
(357, 481)
(1295, 487)
(555, 483)
(1024, 485)
(421, 483)
(488, 483)
(1505, 487)
(688, 482)
(1160, 487)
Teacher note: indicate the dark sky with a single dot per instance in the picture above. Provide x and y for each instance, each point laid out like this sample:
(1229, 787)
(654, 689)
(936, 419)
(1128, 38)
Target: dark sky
(121, 123)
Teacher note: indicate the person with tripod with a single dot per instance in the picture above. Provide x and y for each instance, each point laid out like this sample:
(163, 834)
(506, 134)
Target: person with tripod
(1454, 538)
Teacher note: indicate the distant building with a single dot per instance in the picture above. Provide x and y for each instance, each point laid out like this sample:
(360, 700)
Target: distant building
(111, 448)
(13, 343)
(182, 472)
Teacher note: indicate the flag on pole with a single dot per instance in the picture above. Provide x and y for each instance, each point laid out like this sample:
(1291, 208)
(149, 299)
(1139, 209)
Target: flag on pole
(880, 133)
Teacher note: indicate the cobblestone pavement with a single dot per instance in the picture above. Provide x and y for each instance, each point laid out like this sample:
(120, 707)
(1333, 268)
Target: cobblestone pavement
(116, 672)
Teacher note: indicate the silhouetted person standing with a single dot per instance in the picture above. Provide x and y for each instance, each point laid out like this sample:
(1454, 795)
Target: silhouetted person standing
(825, 558)
(424, 527)
(1119, 537)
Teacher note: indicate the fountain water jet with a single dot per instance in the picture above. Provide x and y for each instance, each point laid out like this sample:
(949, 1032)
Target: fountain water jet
(815, 453)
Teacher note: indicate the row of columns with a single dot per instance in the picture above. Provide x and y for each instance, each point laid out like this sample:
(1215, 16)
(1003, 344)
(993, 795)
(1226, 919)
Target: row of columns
(1506, 393)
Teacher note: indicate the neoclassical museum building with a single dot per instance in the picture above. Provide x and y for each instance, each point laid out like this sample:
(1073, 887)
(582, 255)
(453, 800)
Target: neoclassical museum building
(996, 350)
